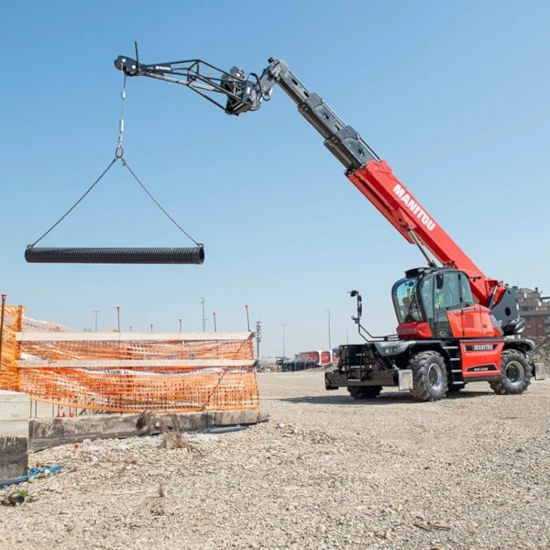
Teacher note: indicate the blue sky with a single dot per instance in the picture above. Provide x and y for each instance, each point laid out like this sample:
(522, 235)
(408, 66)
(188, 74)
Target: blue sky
(454, 95)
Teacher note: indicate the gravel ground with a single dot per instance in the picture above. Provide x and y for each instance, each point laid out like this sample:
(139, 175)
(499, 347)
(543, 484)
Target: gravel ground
(469, 472)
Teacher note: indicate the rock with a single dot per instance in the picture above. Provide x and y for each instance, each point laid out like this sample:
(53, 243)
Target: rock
(352, 476)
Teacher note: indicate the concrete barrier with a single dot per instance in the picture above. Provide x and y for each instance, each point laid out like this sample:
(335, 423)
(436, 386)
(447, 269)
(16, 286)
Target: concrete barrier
(14, 434)
(50, 432)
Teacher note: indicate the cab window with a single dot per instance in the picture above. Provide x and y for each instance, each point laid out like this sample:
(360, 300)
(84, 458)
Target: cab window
(465, 291)
(427, 293)
(449, 295)
(405, 300)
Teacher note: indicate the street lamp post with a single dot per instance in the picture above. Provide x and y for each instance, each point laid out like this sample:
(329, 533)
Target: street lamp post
(118, 317)
(203, 317)
(329, 344)
(258, 337)
(283, 325)
(247, 319)
(96, 311)
(180, 324)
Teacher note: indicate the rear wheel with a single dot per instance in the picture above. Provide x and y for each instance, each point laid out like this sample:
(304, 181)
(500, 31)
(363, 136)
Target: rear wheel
(516, 373)
(430, 381)
(364, 392)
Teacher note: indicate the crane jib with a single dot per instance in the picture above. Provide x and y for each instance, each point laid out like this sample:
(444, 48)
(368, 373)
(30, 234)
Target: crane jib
(365, 169)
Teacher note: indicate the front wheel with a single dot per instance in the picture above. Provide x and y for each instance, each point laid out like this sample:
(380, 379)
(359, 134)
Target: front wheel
(515, 373)
(430, 380)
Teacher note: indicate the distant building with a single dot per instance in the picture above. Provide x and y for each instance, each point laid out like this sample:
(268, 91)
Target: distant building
(535, 309)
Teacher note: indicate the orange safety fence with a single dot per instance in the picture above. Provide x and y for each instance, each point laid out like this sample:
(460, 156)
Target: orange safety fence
(127, 372)
(144, 349)
(9, 375)
(134, 391)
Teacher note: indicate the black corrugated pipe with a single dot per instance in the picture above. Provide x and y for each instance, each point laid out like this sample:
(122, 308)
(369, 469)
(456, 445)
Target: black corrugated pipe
(115, 255)
(225, 429)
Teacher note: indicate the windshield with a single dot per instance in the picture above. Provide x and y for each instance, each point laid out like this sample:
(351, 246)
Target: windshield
(405, 300)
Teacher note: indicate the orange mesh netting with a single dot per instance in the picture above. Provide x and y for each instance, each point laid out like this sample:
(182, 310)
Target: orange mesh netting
(127, 350)
(9, 377)
(128, 372)
(134, 391)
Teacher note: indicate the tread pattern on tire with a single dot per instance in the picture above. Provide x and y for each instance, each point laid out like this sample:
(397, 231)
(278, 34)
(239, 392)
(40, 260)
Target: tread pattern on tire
(419, 364)
(502, 386)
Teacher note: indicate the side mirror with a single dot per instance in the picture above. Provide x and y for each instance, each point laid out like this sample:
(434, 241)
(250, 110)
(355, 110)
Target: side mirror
(439, 281)
(355, 294)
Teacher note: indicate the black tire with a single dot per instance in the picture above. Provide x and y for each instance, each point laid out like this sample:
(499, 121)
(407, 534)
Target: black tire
(516, 373)
(430, 379)
(364, 392)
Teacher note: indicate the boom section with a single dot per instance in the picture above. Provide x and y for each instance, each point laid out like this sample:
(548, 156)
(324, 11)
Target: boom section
(375, 180)
(400, 207)
(343, 141)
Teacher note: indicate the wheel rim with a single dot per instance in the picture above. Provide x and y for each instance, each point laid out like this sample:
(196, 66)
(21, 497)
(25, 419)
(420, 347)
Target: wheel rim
(514, 372)
(435, 376)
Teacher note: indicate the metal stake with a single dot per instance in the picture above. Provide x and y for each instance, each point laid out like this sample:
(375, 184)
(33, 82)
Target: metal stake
(4, 296)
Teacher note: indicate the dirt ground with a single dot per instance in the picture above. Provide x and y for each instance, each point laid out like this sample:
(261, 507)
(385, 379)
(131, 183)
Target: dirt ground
(326, 472)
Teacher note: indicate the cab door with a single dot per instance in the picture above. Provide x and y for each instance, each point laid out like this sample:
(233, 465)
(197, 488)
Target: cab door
(446, 299)
(454, 312)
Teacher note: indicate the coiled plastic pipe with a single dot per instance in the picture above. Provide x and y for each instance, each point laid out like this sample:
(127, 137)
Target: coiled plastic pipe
(115, 255)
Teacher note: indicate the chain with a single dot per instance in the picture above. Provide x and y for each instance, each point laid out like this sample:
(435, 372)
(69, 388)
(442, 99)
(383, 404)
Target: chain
(158, 204)
(76, 203)
(119, 149)
(119, 155)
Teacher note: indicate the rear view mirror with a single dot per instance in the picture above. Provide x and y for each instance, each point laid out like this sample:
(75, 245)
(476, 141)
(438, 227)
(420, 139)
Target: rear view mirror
(439, 281)
(356, 294)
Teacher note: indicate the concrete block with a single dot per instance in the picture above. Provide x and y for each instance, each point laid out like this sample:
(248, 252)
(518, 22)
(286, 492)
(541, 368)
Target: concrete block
(14, 434)
(14, 458)
(14, 413)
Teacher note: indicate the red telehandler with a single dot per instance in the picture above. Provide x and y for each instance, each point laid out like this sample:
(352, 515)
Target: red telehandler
(455, 324)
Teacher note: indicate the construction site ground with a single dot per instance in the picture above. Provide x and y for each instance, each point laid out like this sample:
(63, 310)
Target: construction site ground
(326, 472)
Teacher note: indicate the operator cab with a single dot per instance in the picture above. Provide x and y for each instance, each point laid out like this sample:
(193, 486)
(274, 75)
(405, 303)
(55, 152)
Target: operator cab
(425, 295)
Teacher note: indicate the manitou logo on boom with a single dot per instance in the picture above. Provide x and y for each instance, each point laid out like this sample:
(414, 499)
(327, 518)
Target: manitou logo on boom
(414, 207)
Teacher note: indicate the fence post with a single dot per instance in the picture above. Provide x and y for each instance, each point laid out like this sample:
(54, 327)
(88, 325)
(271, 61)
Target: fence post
(4, 296)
